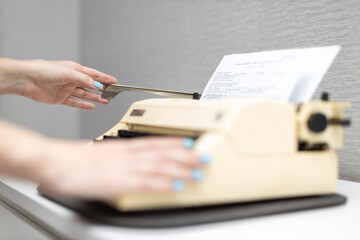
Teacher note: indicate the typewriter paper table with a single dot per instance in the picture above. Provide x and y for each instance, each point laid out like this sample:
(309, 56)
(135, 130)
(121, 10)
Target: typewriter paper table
(57, 222)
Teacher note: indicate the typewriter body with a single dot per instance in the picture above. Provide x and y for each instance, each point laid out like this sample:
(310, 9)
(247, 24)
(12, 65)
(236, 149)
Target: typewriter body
(261, 148)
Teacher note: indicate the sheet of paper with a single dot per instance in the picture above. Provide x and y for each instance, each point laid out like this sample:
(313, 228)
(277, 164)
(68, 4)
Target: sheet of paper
(287, 75)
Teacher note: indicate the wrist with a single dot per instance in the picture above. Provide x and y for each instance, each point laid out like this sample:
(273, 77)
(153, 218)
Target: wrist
(23, 152)
(55, 160)
(47, 161)
(27, 160)
(12, 76)
(15, 75)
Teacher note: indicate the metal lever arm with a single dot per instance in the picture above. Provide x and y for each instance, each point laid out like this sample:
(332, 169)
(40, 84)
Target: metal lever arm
(114, 89)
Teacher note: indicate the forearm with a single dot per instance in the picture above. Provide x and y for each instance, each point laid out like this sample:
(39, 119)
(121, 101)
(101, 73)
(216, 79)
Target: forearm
(22, 152)
(14, 75)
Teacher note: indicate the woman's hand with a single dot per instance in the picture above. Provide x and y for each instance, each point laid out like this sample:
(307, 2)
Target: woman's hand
(110, 169)
(55, 82)
(104, 170)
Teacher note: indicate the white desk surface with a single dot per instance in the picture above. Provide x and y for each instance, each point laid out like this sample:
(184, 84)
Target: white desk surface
(340, 222)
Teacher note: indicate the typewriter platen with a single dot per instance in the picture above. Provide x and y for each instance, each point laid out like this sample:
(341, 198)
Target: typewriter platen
(262, 149)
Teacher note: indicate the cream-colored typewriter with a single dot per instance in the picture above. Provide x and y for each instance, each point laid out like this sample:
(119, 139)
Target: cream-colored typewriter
(261, 148)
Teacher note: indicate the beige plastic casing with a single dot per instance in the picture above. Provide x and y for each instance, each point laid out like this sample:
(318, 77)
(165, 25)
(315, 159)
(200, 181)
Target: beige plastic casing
(254, 145)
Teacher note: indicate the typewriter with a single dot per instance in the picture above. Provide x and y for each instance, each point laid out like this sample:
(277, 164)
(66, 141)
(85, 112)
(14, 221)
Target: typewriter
(262, 148)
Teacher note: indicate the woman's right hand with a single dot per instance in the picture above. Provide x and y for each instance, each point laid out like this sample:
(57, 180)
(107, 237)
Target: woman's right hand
(107, 170)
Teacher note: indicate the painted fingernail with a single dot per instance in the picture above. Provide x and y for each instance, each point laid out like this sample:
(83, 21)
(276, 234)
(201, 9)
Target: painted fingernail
(205, 159)
(197, 174)
(98, 85)
(178, 185)
(188, 143)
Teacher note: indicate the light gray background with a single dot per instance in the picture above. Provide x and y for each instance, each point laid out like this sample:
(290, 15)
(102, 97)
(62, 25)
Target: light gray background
(38, 29)
(173, 45)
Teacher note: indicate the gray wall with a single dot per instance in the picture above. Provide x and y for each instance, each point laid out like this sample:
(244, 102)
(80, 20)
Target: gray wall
(178, 44)
(40, 29)
(174, 45)
(37, 29)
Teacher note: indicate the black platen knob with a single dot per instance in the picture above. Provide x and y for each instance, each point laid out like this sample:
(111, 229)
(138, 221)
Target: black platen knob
(325, 96)
(317, 122)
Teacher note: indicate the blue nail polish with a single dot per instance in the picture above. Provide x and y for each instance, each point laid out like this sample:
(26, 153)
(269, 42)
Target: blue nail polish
(98, 85)
(205, 159)
(188, 143)
(178, 185)
(197, 174)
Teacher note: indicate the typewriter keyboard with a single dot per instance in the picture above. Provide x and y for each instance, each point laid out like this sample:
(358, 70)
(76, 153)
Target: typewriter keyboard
(127, 134)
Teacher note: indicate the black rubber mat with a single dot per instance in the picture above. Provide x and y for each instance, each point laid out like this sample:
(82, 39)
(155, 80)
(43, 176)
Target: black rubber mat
(103, 213)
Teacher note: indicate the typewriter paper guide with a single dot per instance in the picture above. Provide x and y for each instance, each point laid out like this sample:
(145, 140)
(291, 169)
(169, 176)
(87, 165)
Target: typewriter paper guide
(288, 75)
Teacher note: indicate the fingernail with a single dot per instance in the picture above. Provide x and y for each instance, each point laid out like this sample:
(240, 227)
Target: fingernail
(178, 185)
(205, 159)
(197, 174)
(98, 85)
(188, 143)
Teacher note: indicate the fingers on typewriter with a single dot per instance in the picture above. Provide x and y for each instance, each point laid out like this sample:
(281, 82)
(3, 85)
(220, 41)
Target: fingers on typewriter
(151, 183)
(165, 149)
(87, 95)
(157, 143)
(153, 143)
(169, 169)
